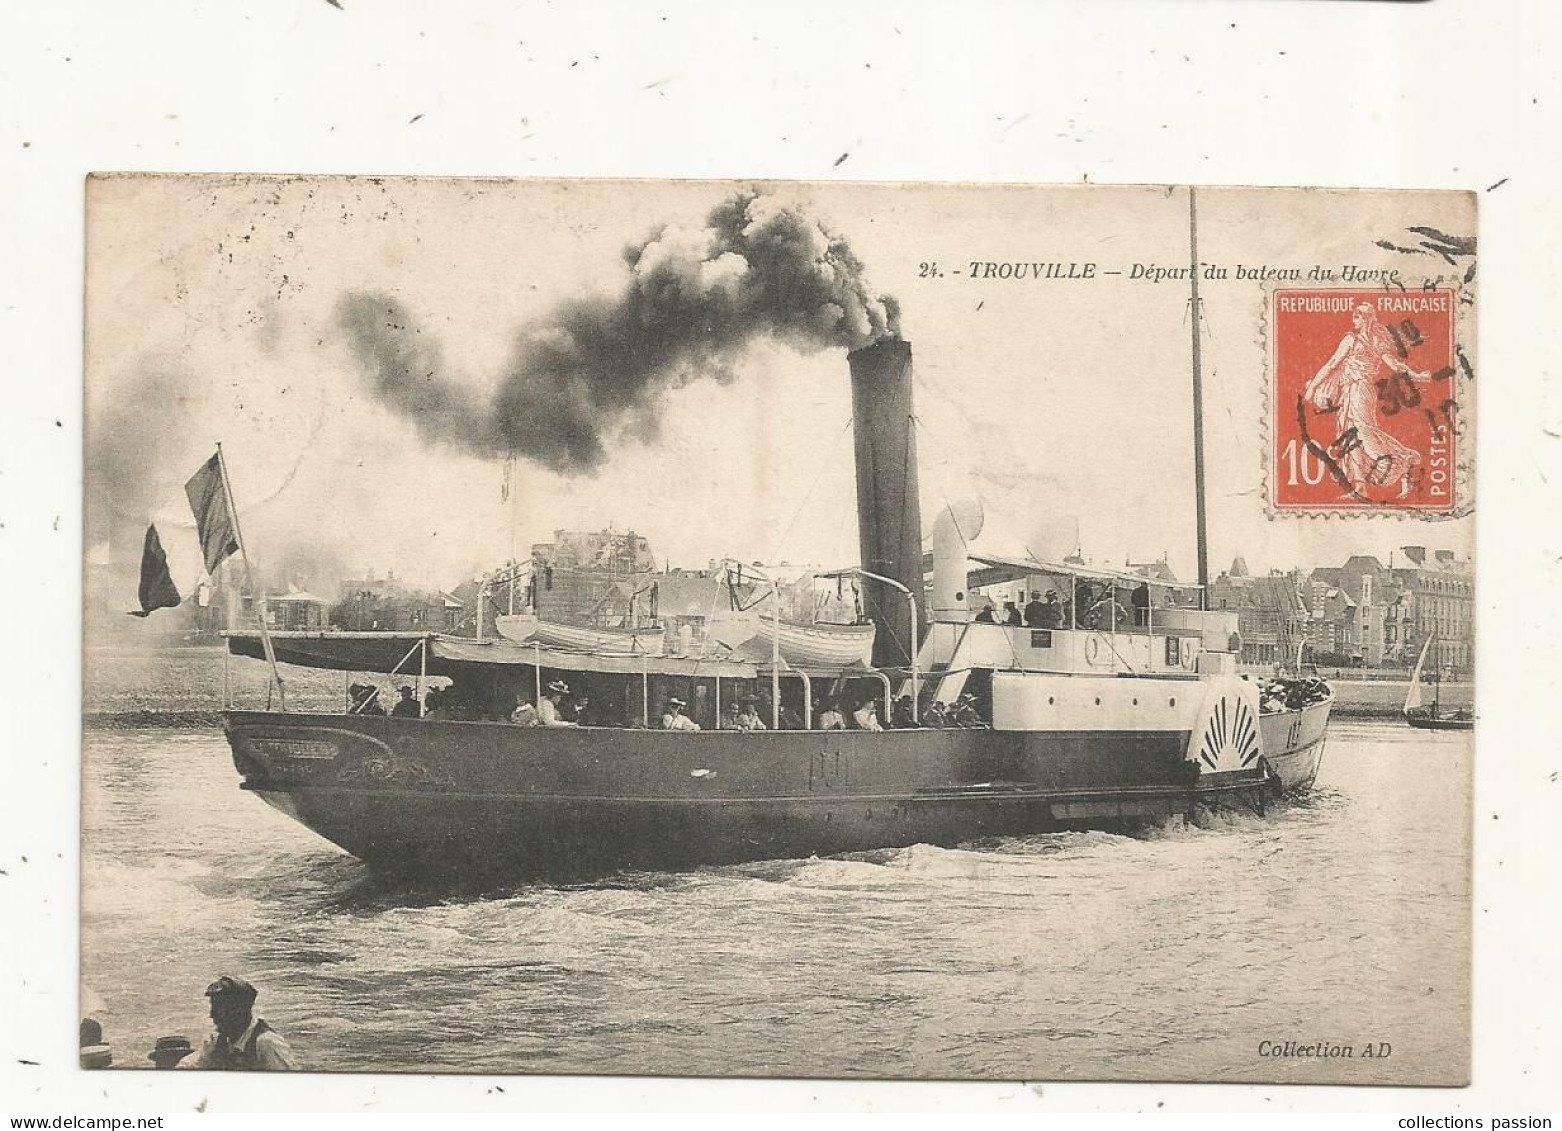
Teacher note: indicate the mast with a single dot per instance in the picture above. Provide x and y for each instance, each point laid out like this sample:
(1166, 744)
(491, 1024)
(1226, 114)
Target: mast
(1437, 678)
(509, 497)
(1198, 402)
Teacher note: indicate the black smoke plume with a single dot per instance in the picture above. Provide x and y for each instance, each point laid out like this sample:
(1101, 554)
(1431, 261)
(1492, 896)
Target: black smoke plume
(597, 369)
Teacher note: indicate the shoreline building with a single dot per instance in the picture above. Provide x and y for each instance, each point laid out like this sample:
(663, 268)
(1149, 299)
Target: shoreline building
(597, 577)
(1272, 615)
(1359, 612)
(1440, 594)
(375, 604)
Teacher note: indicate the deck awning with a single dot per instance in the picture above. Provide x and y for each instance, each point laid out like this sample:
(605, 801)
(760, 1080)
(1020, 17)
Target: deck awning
(459, 651)
(339, 651)
(447, 655)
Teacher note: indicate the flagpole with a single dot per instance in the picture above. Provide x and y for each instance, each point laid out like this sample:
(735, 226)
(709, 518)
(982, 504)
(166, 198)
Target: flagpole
(238, 536)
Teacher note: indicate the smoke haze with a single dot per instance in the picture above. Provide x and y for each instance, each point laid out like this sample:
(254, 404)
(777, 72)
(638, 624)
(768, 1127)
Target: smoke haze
(130, 466)
(596, 369)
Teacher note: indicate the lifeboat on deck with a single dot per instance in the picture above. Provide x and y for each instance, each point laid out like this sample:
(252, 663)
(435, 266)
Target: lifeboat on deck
(819, 645)
(594, 638)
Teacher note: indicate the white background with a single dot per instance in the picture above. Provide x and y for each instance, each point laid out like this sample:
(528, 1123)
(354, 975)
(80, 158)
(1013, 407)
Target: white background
(1441, 94)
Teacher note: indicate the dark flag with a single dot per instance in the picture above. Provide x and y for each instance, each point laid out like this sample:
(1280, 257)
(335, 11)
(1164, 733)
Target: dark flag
(157, 589)
(213, 513)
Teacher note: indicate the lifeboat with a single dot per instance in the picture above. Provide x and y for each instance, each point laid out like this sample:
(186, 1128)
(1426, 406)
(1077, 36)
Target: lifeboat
(819, 645)
(518, 628)
(593, 638)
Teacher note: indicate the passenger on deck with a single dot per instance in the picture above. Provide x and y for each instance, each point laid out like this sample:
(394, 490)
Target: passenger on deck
(865, 717)
(1084, 600)
(1011, 614)
(1034, 611)
(902, 719)
(748, 718)
(935, 716)
(1051, 611)
(550, 712)
(985, 616)
(790, 719)
(408, 708)
(580, 711)
(831, 718)
(524, 715)
(673, 717)
(732, 719)
(366, 699)
(965, 713)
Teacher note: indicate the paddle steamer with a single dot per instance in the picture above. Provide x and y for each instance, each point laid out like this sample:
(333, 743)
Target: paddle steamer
(1106, 719)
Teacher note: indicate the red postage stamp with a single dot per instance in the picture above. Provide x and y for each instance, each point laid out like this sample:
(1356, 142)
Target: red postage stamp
(1365, 416)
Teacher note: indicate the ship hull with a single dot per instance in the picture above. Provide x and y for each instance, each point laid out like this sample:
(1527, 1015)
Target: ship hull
(1431, 722)
(486, 799)
(568, 838)
(1294, 741)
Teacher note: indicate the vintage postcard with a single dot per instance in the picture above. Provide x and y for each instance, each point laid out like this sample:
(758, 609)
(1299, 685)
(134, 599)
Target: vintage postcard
(778, 629)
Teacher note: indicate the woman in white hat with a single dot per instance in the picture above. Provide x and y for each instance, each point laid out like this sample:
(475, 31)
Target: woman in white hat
(548, 710)
(673, 717)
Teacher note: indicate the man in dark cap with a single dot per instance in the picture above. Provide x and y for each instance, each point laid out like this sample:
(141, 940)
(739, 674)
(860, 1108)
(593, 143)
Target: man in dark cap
(1033, 610)
(242, 1042)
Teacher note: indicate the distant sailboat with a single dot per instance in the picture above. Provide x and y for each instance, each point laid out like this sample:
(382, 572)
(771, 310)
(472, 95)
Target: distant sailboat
(1413, 696)
(1431, 718)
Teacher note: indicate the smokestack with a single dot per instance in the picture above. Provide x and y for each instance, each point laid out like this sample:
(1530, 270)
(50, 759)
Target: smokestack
(889, 514)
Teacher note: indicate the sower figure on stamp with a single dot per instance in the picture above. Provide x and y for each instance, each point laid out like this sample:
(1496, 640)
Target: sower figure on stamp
(242, 1042)
(1368, 456)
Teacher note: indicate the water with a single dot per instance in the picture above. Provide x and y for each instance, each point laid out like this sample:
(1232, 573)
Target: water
(1168, 956)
